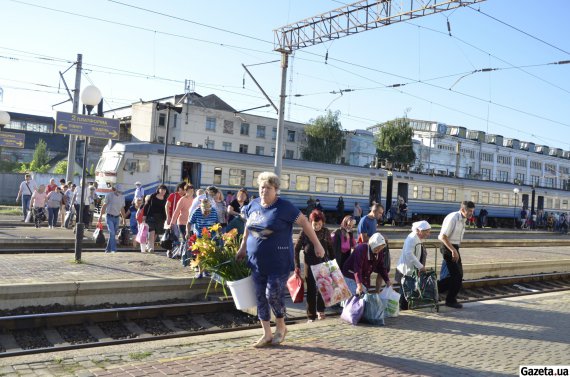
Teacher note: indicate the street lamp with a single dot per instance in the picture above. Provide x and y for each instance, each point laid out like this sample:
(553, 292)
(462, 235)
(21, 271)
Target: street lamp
(4, 119)
(91, 96)
(516, 192)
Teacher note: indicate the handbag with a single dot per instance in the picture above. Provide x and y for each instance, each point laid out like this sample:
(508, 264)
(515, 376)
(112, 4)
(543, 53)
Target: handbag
(98, 235)
(296, 288)
(142, 234)
(373, 309)
(353, 310)
(167, 240)
(330, 282)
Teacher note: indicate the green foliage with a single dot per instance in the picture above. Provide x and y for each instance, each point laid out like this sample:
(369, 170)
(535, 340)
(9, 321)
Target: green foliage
(60, 167)
(8, 166)
(92, 170)
(39, 163)
(394, 143)
(325, 139)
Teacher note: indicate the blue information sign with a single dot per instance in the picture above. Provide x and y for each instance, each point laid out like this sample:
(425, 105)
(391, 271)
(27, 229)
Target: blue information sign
(86, 125)
(12, 139)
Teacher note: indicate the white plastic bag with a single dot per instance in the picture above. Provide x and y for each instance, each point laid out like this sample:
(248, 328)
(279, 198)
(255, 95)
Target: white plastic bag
(391, 300)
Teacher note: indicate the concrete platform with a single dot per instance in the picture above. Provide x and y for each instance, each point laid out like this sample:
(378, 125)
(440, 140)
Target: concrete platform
(491, 338)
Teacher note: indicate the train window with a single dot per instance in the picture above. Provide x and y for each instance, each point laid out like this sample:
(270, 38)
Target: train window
(452, 195)
(285, 181)
(217, 176)
(237, 177)
(415, 192)
(143, 166)
(255, 175)
(438, 193)
(322, 184)
(110, 163)
(302, 183)
(426, 193)
(564, 204)
(357, 187)
(130, 165)
(495, 198)
(484, 198)
(505, 199)
(340, 186)
(474, 197)
(557, 203)
(549, 203)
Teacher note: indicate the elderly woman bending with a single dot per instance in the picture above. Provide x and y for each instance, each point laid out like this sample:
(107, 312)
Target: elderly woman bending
(268, 244)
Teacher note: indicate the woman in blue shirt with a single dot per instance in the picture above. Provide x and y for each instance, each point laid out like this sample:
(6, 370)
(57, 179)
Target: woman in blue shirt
(268, 244)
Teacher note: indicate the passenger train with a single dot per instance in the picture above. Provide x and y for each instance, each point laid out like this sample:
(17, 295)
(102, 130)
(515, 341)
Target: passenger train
(428, 197)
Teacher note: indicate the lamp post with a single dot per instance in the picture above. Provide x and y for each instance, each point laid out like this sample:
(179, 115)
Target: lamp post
(168, 106)
(516, 192)
(4, 119)
(91, 96)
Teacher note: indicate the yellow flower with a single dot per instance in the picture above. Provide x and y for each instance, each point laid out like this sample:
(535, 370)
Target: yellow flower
(215, 227)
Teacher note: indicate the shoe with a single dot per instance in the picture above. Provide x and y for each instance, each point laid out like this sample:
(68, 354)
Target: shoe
(262, 342)
(310, 321)
(321, 316)
(278, 338)
(198, 276)
(455, 305)
(113, 251)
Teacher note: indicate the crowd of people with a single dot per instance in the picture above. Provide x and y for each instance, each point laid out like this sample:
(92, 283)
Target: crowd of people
(56, 202)
(552, 221)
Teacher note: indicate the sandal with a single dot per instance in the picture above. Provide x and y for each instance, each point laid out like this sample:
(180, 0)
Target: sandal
(278, 338)
(321, 316)
(262, 342)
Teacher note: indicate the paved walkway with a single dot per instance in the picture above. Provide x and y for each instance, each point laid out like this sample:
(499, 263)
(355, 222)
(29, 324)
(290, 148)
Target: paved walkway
(491, 338)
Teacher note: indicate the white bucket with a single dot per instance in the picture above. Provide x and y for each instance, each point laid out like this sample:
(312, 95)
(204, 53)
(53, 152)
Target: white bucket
(243, 292)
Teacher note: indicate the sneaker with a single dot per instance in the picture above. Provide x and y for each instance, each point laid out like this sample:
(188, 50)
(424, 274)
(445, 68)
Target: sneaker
(113, 251)
(455, 305)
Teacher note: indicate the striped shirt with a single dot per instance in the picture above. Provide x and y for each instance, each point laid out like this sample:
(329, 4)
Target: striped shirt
(200, 222)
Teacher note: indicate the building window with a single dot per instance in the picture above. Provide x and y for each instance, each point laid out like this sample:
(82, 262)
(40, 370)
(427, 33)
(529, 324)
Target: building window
(302, 183)
(260, 150)
(211, 124)
(549, 168)
(549, 182)
(273, 152)
(244, 129)
(426, 193)
(439, 193)
(237, 177)
(227, 146)
(322, 184)
(486, 174)
(487, 157)
(175, 121)
(503, 160)
(340, 186)
(291, 136)
(161, 120)
(243, 148)
(535, 180)
(228, 127)
(502, 176)
(520, 162)
(452, 195)
(217, 176)
(520, 178)
(210, 144)
(261, 132)
(160, 139)
(174, 141)
(285, 181)
(254, 181)
(289, 154)
(537, 165)
(274, 134)
(357, 187)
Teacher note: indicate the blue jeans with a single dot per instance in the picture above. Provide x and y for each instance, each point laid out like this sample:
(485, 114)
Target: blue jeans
(270, 293)
(112, 226)
(26, 204)
(52, 215)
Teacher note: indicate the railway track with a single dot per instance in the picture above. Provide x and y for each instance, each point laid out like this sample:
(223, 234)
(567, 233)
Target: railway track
(48, 332)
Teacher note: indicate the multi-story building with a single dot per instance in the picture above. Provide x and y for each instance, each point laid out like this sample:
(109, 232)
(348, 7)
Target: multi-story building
(456, 151)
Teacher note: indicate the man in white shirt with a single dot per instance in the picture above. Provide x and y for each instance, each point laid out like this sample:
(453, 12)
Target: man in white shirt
(451, 235)
(27, 188)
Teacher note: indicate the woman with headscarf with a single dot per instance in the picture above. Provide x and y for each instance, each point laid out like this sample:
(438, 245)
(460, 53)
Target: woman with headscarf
(413, 255)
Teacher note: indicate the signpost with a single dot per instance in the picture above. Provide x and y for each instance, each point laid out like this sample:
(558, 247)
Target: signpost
(12, 139)
(87, 125)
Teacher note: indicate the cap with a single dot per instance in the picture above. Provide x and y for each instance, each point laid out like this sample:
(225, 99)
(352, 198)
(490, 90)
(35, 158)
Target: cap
(421, 225)
(376, 240)
(137, 183)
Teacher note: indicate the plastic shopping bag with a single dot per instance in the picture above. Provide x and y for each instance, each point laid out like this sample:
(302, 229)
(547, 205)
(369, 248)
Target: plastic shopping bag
(391, 300)
(444, 270)
(98, 235)
(353, 310)
(330, 282)
(142, 234)
(373, 309)
(29, 217)
(296, 288)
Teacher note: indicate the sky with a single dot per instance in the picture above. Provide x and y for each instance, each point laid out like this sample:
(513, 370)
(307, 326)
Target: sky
(143, 49)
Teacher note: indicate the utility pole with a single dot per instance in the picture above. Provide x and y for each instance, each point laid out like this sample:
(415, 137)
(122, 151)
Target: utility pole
(73, 138)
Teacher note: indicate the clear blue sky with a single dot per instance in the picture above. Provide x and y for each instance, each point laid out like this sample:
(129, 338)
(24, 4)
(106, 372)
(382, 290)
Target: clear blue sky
(526, 99)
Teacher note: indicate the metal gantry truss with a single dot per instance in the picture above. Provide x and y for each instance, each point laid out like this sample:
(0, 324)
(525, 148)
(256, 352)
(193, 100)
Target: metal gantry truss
(355, 18)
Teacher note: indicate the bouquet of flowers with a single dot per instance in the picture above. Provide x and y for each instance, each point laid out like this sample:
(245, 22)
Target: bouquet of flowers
(216, 253)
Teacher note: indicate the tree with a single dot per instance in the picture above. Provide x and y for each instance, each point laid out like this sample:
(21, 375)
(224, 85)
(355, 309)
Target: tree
(325, 139)
(60, 167)
(39, 163)
(394, 143)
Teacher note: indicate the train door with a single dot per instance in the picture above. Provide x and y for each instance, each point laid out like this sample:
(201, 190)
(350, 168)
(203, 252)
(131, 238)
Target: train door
(375, 192)
(525, 201)
(540, 203)
(403, 191)
(191, 173)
